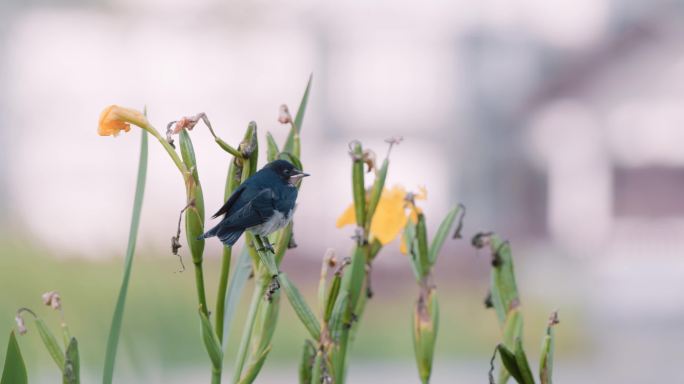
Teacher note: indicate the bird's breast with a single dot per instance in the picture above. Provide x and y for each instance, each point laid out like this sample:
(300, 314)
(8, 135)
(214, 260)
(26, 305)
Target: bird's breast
(275, 222)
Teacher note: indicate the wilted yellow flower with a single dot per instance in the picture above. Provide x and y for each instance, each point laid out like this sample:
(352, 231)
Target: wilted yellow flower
(115, 119)
(390, 216)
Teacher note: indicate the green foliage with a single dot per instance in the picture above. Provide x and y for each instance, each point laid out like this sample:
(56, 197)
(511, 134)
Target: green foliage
(14, 371)
(72, 364)
(117, 319)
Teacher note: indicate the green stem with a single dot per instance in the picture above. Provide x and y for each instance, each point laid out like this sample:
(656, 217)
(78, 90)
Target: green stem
(259, 290)
(215, 376)
(169, 149)
(199, 283)
(223, 286)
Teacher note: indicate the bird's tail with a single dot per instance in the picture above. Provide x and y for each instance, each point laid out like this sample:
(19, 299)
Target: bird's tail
(227, 236)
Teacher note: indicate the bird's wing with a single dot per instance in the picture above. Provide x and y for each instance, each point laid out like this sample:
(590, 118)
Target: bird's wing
(231, 201)
(256, 211)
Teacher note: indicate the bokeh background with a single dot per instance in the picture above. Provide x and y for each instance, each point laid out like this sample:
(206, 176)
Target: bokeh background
(559, 124)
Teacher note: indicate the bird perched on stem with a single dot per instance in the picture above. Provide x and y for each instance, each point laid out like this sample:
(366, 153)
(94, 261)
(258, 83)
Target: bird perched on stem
(263, 204)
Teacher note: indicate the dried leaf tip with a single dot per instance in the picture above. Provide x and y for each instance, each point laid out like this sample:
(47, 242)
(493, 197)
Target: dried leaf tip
(392, 141)
(481, 239)
(553, 319)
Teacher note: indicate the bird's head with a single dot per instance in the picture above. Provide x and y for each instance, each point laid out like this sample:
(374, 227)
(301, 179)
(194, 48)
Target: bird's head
(286, 171)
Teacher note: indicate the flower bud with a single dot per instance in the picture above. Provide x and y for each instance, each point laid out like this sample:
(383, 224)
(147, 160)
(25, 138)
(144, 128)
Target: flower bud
(284, 116)
(21, 327)
(52, 299)
(425, 325)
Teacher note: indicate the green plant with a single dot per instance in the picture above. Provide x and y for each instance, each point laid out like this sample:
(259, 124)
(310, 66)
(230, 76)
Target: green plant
(503, 297)
(422, 259)
(66, 358)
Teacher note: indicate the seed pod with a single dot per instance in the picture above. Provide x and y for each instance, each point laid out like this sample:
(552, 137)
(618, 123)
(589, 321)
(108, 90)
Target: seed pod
(194, 215)
(425, 327)
(421, 238)
(358, 188)
(72, 365)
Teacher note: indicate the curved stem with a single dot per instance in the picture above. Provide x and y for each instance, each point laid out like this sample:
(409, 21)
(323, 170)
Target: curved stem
(169, 149)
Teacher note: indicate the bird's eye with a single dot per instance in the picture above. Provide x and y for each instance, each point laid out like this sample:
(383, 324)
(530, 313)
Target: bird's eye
(287, 171)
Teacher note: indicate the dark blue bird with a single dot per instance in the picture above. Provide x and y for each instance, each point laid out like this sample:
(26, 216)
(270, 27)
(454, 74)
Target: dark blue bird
(263, 204)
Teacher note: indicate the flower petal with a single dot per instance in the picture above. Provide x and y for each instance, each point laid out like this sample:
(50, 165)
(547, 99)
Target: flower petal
(115, 119)
(347, 217)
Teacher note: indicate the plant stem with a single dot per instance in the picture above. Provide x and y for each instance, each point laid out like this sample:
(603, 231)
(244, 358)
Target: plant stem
(247, 332)
(215, 376)
(223, 286)
(169, 149)
(199, 283)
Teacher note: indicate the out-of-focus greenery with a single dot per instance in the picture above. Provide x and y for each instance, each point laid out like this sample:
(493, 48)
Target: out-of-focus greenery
(162, 303)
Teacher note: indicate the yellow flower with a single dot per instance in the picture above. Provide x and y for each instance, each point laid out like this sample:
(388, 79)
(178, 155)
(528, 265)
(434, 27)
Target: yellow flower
(115, 119)
(390, 216)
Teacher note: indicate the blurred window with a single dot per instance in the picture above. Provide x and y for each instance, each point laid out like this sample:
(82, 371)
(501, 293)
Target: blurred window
(649, 192)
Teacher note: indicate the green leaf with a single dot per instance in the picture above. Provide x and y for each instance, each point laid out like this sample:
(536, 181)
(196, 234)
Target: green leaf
(442, 233)
(211, 341)
(254, 368)
(317, 370)
(307, 362)
(272, 150)
(290, 145)
(51, 343)
(412, 249)
(510, 363)
(236, 285)
(332, 296)
(376, 192)
(512, 328)
(422, 240)
(300, 307)
(72, 364)
(265, 325)
(14, 371)
(523, 364)
(117, 318)
(336, 323)
(503, 286)
(352, 281)
(546, 360)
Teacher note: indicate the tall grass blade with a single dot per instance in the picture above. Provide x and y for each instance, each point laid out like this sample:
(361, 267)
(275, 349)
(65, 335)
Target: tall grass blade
(115, 330)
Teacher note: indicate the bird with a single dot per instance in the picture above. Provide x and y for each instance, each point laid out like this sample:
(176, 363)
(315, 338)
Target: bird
(262, 204)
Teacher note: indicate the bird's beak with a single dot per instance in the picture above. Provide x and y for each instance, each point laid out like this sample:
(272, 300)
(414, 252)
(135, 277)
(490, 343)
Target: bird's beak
(297, 174)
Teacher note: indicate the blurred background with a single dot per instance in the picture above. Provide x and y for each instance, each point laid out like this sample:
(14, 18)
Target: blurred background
(557, 123)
